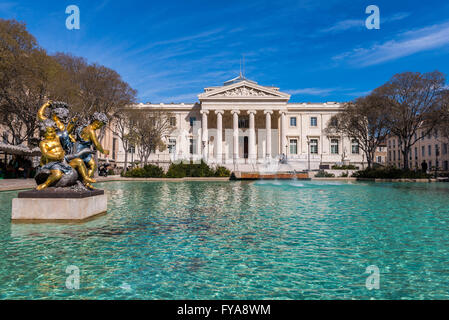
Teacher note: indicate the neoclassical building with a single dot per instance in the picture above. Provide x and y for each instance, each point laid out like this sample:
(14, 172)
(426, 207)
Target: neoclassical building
(247, 127)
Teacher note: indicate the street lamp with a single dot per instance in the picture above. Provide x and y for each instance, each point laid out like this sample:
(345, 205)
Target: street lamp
(437, 153)
(308, 154)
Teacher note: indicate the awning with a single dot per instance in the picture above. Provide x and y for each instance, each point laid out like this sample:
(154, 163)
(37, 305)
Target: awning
(19, 150)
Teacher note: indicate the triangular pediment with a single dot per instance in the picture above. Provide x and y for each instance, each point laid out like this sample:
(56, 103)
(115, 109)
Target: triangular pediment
(243, 90)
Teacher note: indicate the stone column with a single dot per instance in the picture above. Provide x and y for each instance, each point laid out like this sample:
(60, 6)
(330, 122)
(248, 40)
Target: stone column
(204, 135)
(268, 114)
(219, 145)
(283, 132)
(235, 121)
(252, 136)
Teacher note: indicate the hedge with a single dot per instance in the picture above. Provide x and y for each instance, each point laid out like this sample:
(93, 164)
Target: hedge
(148, 171)
(390, 173)
(181, 170)
(178, 170)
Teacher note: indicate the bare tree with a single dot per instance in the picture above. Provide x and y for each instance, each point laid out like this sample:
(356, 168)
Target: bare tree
(96, 88)
(150, 129)
(364, 120)
(122, 127)
(414, 102)
(444, 124)
(28, 77)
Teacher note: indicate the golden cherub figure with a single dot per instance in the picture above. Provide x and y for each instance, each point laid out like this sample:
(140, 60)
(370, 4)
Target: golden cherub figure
(86, 138)
(54, 159)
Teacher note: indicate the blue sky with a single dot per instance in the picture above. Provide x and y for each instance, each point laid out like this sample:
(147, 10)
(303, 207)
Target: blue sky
(317, 51)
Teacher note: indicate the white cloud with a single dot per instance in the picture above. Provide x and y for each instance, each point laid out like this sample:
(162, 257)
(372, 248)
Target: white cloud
(188, 98)
(313, 91)
(360, 23)
(403, 45)
(344, 25)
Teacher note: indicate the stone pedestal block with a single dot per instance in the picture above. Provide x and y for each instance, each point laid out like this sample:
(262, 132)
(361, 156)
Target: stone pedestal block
(52, 205)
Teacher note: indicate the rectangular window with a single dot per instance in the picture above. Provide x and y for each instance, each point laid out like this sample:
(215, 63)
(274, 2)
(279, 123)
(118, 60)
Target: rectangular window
(394, 155)
(244, 122)
(334, 146)
(389, 155)
(192, 146)
(444, 148)
(173, 121)
(313, 121)
(379, 159)
(445, 165)
(172, 146)
(314, 146)
(423, 151)
(430, 164)
(437, 150)
(429, 149)
(293, 146)
(192, 121)
(355, 146)
(416, 153)
(293, 122)
(394, 143)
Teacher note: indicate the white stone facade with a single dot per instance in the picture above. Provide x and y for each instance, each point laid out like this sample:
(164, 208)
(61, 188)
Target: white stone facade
(248, 127)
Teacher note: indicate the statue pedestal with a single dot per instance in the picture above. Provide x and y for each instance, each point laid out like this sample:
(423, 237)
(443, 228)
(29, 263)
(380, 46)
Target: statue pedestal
(58, 205)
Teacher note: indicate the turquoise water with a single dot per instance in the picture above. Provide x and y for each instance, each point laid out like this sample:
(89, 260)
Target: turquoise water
(238, 240)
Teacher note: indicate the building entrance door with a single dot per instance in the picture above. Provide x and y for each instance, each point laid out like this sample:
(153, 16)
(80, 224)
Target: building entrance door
(243, 147)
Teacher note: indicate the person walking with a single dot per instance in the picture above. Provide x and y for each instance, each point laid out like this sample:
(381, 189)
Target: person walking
(424, 166)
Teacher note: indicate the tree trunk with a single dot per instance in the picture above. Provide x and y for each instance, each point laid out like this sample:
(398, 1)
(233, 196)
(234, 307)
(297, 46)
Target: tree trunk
(369, 158)
(132, 160)
(405, 153)
(125, 146)
(125, 169)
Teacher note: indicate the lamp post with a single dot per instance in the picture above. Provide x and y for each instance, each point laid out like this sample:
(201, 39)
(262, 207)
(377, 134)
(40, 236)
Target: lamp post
(308, 155)
(437, 153)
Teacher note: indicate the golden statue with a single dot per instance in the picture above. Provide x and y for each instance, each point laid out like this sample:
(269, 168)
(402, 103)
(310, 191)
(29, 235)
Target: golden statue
(58, 162)
(54, 159)
(86, 138)
(60, 115)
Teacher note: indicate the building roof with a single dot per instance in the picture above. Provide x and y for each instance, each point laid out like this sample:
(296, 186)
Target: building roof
(240, 78)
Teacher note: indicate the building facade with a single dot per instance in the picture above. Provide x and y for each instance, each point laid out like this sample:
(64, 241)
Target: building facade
(248, 127)
(431, 148)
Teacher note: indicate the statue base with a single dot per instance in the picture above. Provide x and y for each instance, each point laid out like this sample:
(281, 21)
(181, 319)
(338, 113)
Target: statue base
(58, 204)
